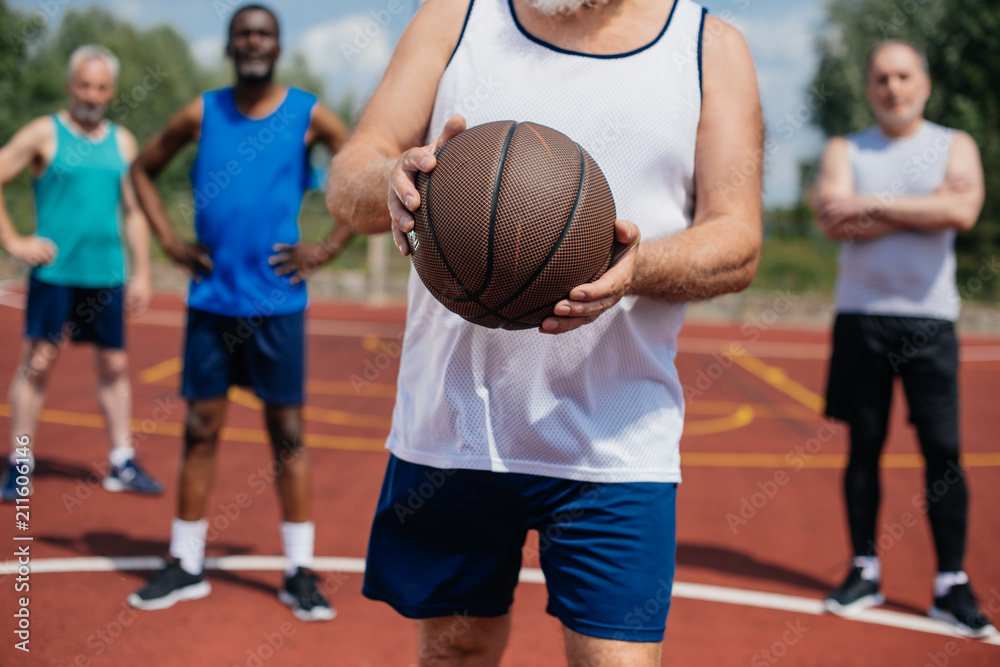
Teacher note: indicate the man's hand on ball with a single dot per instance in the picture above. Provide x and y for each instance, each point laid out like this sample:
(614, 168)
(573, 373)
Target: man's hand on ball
(588, 301)
(403, 195)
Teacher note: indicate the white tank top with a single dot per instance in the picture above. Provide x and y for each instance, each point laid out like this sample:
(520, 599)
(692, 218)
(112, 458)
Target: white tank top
(906, 273)
(602, 403)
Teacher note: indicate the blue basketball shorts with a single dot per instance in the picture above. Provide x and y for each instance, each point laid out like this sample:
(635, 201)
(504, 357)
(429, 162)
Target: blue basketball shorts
(88, 315)
(449, 542)
(266, 354)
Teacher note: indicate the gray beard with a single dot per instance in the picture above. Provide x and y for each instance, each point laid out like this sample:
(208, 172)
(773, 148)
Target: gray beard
(564, 7)
(86, 114)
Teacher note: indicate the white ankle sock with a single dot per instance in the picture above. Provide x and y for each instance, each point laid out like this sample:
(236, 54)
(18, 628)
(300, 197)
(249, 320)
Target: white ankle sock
(871, 568)
(943, 582)
(298, 540)
(187, 544)
(13, 460)
(119, 456)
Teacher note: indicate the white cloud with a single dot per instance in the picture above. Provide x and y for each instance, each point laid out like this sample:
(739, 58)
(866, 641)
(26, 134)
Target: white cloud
(783, 52)
(208, 50)
(356, 46)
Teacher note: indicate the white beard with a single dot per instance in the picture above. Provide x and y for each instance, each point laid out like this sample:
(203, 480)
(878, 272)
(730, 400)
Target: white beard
(564, 7)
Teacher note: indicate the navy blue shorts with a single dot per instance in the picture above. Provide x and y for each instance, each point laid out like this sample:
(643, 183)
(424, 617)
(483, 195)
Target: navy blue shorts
(266, 354)
(88, 315)
(447, 542)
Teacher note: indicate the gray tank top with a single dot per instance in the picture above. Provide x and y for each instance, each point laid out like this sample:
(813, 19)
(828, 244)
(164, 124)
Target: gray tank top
(906, 273)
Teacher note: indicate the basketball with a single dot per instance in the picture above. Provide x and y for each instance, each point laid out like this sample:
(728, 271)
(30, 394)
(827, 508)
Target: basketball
(512, 218)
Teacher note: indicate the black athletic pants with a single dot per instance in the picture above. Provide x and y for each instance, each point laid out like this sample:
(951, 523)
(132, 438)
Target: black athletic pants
(869, 351)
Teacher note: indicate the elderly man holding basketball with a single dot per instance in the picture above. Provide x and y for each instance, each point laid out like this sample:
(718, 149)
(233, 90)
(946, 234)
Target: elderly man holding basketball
(574, 435)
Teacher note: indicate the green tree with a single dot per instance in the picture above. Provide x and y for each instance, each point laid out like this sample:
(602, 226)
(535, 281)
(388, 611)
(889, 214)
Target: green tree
(961, 39)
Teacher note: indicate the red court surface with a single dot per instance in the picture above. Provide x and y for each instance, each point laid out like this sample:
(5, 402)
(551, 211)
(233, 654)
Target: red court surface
(761, 526)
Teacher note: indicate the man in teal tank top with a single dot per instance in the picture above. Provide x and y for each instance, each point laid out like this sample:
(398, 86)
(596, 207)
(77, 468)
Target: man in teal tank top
(83, 200)
(247, 299)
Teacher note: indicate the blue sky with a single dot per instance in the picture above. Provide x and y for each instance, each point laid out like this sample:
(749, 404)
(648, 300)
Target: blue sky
(780, 34)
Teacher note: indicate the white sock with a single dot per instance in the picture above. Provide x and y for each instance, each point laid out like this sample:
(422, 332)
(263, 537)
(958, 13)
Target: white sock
(13, 460)
(119, 456)
(871, 568)
(943, 582)
(187, 544)
(298, 540)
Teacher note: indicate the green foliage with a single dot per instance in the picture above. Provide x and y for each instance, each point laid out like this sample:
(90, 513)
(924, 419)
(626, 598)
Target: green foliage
(802, 265)
(159, 75)
(961, 39)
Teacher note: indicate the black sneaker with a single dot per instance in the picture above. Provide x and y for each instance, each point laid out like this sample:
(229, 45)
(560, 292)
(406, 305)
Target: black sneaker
(169, 586)
(305, 598)
(959, 609)
(854, 595)
(10, 490)
(131, 477)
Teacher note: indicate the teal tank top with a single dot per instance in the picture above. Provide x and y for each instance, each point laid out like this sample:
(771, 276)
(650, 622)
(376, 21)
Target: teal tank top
(78, 207)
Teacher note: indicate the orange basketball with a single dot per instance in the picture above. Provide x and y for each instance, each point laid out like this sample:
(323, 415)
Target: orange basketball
(512, 218)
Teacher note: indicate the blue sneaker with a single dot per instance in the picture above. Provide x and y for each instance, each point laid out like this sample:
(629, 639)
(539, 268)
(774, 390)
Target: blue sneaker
(10, 489)
(131, 477)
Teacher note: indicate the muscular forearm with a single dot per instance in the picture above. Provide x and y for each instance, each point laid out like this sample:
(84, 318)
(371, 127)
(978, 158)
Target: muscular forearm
(152, 206)
(933, 212)
(7, 231)
(359, 187)
(713, 258)
(137, 231)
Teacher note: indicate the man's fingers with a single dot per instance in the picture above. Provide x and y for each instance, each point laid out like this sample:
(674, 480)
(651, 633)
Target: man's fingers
(558, 325)
(399, 238)
(279, 258)
(568, 308)
(455, 125)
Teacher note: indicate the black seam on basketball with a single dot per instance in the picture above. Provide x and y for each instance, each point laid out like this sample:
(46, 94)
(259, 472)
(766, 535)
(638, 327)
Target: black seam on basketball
(493, 213)
(437, 246)
(555, 247)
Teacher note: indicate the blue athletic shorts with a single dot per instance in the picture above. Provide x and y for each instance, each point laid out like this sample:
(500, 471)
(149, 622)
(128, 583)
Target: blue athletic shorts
(447, 542)
(266, 354)
(88, 315)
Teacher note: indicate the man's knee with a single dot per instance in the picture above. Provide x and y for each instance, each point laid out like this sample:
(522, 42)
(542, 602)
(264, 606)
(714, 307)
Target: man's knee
(201, 428)
(284, 424)
(112, 365)
(38, 361)
(455, 640)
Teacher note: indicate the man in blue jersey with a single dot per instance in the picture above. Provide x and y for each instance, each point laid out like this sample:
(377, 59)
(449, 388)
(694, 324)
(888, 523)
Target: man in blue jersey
(895, 195)
(247, 301)
(83, 199)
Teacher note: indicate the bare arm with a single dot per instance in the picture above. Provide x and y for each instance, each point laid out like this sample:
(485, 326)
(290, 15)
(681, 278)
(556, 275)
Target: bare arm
(182, 128)
(955, 205)
(395, 121)
(29, 146)
(137, 232)
(719, 253)
(300, 260)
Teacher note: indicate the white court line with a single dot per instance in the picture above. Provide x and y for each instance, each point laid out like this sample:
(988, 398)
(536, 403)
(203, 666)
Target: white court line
(704, 592)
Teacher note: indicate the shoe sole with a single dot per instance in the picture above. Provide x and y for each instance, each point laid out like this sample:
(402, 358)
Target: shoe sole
(192, 592)
(117, 486)
(958, 626)
(314, 614)
(856, 607)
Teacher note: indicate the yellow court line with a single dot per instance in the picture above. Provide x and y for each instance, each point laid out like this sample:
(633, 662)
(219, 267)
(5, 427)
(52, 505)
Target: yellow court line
(756, 460)
(338, 417)
(699, 459)
(161, 371)
(777, 378)
(743, 416)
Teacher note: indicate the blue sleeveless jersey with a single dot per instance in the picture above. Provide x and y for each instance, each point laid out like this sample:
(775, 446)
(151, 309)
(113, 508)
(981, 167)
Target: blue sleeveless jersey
(248, 178)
